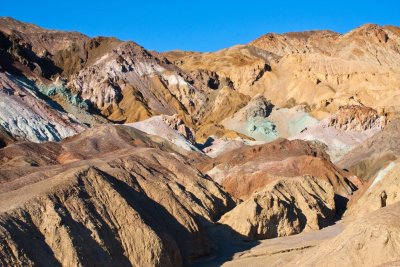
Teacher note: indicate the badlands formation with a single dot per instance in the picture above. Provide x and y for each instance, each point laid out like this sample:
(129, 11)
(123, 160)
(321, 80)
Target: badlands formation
(281, 152)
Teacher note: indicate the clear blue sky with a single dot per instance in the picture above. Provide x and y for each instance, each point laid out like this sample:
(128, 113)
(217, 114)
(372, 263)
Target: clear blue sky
(201, 25)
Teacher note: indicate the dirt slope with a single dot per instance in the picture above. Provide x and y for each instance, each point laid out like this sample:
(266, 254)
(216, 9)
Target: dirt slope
(116, 197)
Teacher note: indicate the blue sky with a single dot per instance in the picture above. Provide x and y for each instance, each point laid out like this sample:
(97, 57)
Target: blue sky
(199, 25)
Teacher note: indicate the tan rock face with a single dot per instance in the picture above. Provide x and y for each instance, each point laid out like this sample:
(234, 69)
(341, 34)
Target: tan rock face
(284, 207)
(178, 125)
(129, 200)
(112, 195)
(120, 81)
(322, 69)
(381, 191)
(124, 82)
(356, 118)
(296, 42)
(258, 106)
(242, 65)
(369, 241)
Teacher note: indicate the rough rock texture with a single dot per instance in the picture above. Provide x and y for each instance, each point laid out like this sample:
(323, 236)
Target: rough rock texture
(244, 170)
(380, 192)
(120, 80)
(321, 69)
(170, 128)
(103, 79)
(222, 103)
(179, 125)
(26, 116)
(5, 138)
(327, 65)
(372, 240)
(215, 147)
(350, 126)
(114, 80)
(296, 42)
(375, 153)
(130, 75)
(260, 120)
(284, 207)
(242, 65)
(110, 195)
(356, 118)
(259, 106)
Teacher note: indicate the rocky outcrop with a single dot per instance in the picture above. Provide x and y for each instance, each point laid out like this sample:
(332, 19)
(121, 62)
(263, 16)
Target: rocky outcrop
(117, 197)
(116, 80)
(248, 169)
(258, 106)
(262, 121)
(130, 73)
(372, 155)
(240, 66)
(321, 69)
(356, 118)
(284, 207)
(381, 191)
(350, 126)
(179, 125)
(120, 80)
(5, 138)
(297, 42)
(223, 103)
(171, 128)
(25, 116)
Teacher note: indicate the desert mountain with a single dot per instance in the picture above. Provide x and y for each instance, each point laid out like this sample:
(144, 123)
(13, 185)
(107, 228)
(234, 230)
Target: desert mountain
(100, 80)
(322, 69)
(284, 207)
(114, 197)
(247, 169)
(111, 154)
(112, 80)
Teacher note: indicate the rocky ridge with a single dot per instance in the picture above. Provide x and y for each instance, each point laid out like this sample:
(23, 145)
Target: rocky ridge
(132, 198)
(248, 169)
(284, 207)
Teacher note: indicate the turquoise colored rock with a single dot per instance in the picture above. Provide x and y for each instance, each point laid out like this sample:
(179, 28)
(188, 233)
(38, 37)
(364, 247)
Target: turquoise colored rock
(64, 92)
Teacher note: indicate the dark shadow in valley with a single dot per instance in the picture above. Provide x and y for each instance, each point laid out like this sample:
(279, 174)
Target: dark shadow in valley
(226, 243)
(341, 206)
(30, 241)
(206, 144)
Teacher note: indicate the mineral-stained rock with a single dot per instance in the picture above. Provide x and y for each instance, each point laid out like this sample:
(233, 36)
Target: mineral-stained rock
(26, 116)
(259, 106)
(350, 126)
(372, 155)
(178, 124)
(321, 69)
(249, 168)
(171, 128)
